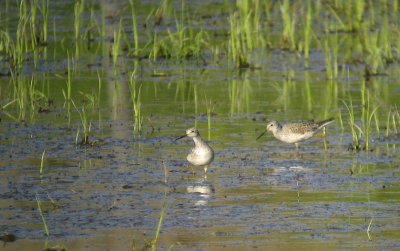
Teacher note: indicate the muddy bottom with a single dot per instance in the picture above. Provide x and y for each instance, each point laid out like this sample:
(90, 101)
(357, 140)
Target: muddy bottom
(266, 195)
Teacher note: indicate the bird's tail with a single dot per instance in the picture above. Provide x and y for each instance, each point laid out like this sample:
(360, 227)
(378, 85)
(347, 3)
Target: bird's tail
(325, 122)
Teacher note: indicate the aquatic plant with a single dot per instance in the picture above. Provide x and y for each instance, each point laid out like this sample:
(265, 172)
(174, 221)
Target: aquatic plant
(152, 245)
(136, 103)
(182, 44)
(245, 33)
(45, 13)
(8, 48)
(288, 33)
(42, 163)
(117, 43)
(78, 10)
(349, 15)
(307, 30)
(307, 90)
(67, 94)
(373, 55)
(34, 32)
(21, 35)
(188, 43)
(237, 49)
(160, 221)
(93, 29)
(28, 34)
(99, 89)
(25, 95)
(135, 29)
(369, 229)
(39, 205)
(385, 40)
(164, 10)
(355, 130)
(86, 126)
(367, 114)
(392, 121)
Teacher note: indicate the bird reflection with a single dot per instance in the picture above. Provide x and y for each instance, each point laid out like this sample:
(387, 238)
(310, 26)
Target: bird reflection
(202, 191)
(291, 168)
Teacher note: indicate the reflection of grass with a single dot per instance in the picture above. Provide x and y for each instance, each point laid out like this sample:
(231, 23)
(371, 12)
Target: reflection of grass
(239, 95)
(308, 91)
(331, 50)
(285, 90)
(210, 109)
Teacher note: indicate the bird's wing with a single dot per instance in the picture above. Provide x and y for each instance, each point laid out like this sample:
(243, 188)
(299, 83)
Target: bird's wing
(303, 127)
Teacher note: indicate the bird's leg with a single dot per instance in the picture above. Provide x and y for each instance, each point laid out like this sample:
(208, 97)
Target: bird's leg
(325, 141)
(297, 150)
(193, 173)
(205, 169)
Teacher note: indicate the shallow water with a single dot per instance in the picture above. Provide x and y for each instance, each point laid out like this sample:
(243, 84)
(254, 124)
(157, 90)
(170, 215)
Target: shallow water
(258, 194)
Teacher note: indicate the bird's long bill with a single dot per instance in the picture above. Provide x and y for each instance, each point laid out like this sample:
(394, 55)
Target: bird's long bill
(180, 137)
(262, 134)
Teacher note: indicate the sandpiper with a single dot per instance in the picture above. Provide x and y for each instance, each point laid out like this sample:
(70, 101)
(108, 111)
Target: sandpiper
(295, 132)
(202, 154)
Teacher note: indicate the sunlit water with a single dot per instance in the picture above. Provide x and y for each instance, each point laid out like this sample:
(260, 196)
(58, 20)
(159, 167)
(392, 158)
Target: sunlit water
(260, 194)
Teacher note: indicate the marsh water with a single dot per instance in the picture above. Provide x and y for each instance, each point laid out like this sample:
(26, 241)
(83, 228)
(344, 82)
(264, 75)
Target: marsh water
(131, 177)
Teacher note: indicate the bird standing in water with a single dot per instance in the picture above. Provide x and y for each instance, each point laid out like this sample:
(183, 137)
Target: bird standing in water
(295, 132)
(202, 154)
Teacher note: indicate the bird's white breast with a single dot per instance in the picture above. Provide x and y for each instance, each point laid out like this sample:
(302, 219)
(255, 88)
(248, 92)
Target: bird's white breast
(200, 156)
